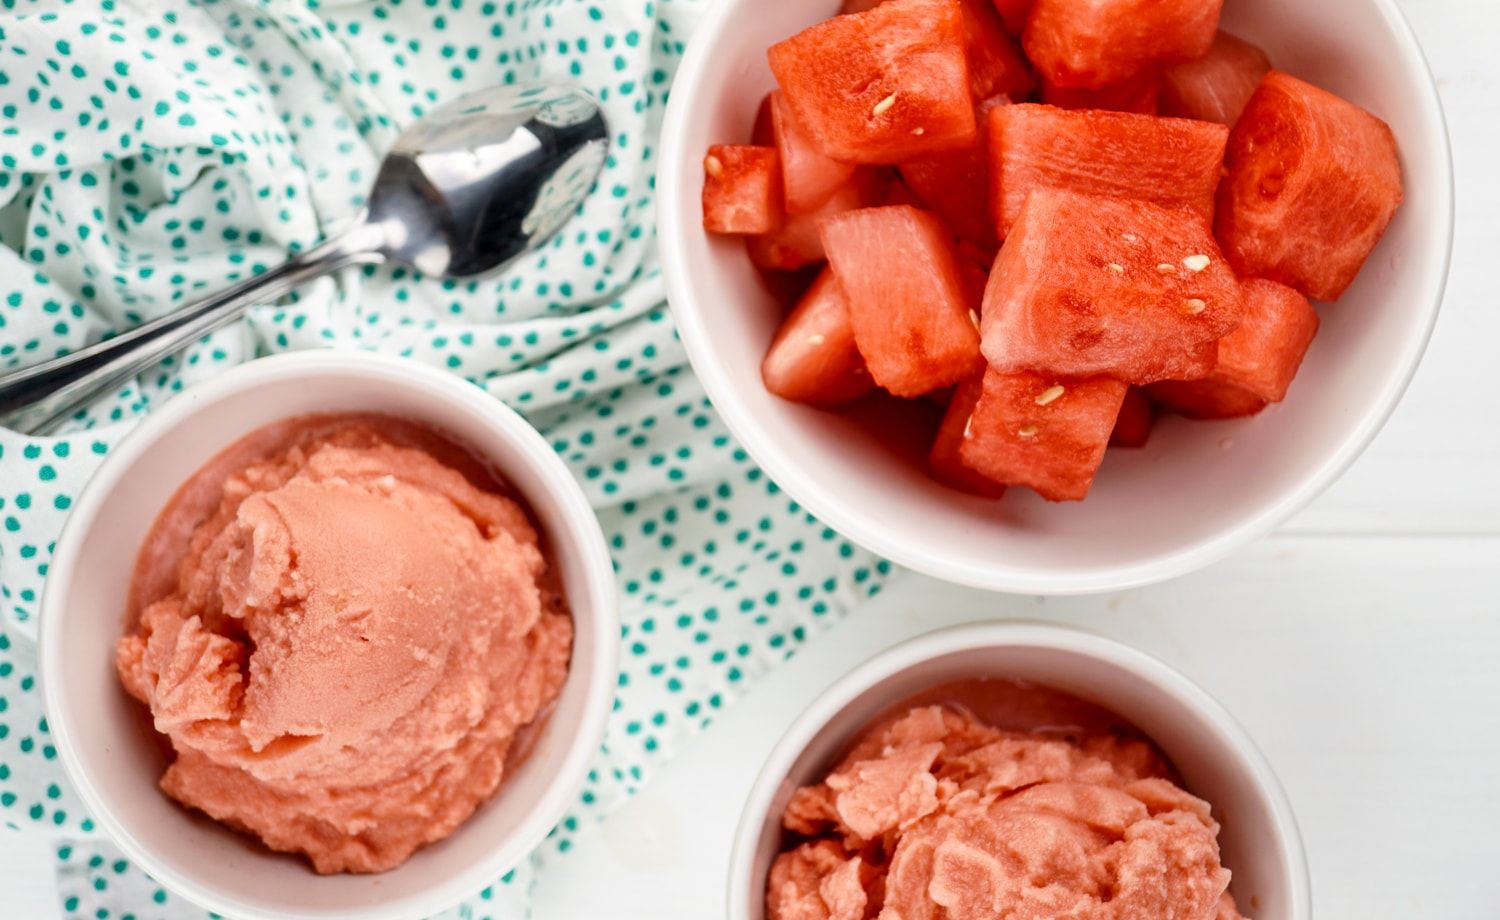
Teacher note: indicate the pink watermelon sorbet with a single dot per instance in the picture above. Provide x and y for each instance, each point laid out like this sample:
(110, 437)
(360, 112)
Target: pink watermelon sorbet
(347, 642)
(937, 816)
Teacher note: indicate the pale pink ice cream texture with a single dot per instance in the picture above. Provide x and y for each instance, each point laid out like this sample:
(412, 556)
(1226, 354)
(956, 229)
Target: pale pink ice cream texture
(356, 638)
(936, 816)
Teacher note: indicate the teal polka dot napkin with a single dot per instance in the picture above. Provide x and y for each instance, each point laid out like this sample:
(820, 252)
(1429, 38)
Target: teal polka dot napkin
(152, 152)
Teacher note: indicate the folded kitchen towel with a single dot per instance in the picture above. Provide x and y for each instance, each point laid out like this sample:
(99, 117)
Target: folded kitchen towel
(151, 152)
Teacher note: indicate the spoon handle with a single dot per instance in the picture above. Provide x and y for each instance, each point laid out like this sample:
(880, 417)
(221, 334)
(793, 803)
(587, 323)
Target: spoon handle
(36, 398)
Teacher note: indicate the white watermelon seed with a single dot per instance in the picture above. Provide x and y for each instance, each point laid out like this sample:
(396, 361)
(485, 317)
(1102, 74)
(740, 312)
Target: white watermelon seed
(969, 428)
(1030, 431)
(1116, 267)
(1194, 306)
(1166, 268)
(816, 339)
(919, 131)
(713, 166)
(1196, 263)
(974, 318)
(1050, 395)
(884, 105)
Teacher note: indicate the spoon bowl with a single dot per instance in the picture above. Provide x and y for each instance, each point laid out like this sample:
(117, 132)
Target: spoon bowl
(486, 178)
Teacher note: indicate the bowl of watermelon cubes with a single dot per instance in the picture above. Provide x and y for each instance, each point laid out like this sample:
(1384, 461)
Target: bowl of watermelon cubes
(1055, 296)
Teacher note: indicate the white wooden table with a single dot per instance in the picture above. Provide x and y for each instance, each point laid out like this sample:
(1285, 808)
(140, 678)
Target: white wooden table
(1360, 644)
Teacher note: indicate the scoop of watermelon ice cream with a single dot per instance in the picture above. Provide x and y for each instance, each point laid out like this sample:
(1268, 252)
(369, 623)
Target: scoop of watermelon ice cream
(355, 640)
(936, 816)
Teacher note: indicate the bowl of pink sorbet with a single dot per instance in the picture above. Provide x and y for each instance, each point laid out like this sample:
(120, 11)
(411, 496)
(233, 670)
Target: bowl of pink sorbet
(1018, 770)
(329, 635)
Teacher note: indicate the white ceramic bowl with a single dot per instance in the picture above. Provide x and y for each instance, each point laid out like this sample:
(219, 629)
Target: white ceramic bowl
(112, 756)
(1218, 762)
(1199, 490)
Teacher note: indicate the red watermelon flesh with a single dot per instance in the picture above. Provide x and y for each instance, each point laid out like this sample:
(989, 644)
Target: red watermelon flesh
(1206, 399)
(741, 190)
(881, 86)
(975, 261)
(973, 278)
(952, 185)
(813, 358)
(1313, 181)
(799, 242)
(996, 66)
(911, 316)
(809, 178)
(1140, 95)
(763, 133)
(1262, 354)
(1096, 43)
(944, 462)
(1169, 161)
(941, 398)
(1133, 425)
(1014, 14)
(1088, 285)
(1041, 431)
(1215, 87)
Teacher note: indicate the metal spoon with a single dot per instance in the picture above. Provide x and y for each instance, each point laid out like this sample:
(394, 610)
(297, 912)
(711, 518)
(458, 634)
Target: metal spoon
(467, 189)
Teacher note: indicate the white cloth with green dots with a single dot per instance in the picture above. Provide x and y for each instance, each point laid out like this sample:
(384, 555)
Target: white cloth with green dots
(154, 150)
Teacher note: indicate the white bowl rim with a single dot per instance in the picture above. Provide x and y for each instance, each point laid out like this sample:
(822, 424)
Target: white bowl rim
(597, 572)
(995, 576)
(939, 643)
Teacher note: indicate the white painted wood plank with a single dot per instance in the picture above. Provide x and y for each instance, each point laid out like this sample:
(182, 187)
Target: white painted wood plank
(1365, 668)
(1433, 470)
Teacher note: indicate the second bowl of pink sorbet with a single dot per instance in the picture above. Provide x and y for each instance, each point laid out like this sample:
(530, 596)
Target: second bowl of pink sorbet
(1018, 770)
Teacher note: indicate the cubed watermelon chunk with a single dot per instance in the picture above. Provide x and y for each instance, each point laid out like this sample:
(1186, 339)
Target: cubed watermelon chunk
(1205, 399)
(1215, 87)
(996, 66)
(1014, 14)
(911, 318)
(944, 462)
(881, 86)
(1313, 181)
(1172, 162)
(1045, 432)
(813, 358)
(1088, 285)
(952, 186)
(809, 177)
(799, 242)
(1095, 43)
(1140, 95)
(741, 190)
(1133, 425)
(1262, 354)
